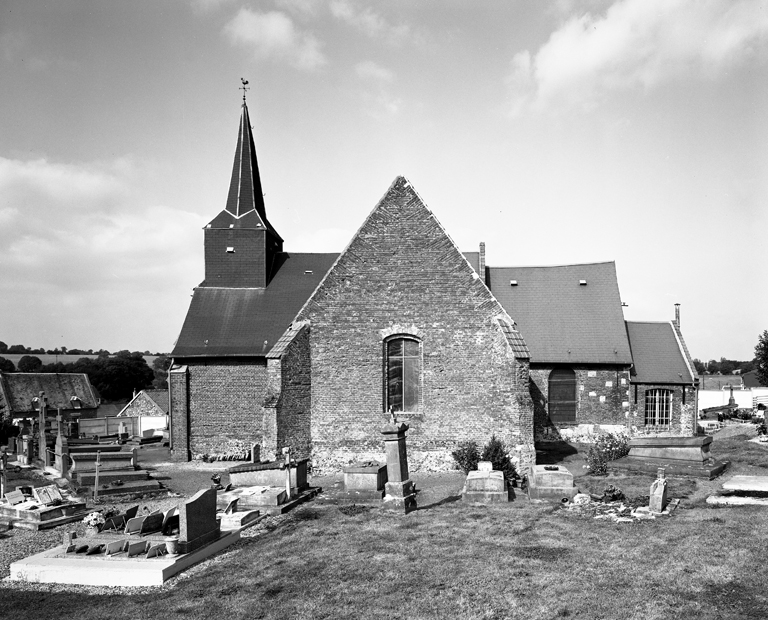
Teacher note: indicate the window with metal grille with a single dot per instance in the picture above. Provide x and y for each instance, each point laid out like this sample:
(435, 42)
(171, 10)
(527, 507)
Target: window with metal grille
(658, 407)
(403, 374)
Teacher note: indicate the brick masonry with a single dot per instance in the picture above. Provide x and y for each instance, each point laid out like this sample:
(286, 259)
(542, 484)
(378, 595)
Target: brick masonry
(402, 274)
(600, 394)
(223, 411)
(683, 415)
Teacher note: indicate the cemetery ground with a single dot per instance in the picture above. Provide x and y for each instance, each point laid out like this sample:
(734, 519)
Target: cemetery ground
(448, 559)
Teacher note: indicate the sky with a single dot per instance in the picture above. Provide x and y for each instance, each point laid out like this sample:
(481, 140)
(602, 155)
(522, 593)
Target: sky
(562, 132)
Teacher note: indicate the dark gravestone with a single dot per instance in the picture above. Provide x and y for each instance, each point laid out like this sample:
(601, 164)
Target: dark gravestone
(152, 523)
(197, 521)
(94, 549)
(118, 522)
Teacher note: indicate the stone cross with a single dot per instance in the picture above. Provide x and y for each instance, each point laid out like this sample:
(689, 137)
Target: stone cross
(287, 453)
(42, 447)
(59, 423)
(96, 476)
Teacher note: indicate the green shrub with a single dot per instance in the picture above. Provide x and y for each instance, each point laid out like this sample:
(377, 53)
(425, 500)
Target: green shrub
(608, 447)
(496, 452)
(466, 455)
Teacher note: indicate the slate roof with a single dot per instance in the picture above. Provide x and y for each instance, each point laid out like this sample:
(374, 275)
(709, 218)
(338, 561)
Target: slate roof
(658, 354)
(750, 379)
(561, 320)
(158, 397)
(224, 322)
(18, 389)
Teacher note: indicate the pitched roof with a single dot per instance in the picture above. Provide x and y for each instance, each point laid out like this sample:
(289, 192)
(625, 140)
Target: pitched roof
(18, 390)
(750, 379)
(248, 322)
(561, 320)
(245, 200)
(719, 382)
(159, 398)
(658, 354)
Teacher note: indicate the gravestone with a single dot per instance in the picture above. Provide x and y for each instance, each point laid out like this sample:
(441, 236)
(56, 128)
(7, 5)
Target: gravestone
(400, 492)
(551, 482)
(156, 550)
(658, 499)
(15, 497)
(197, 521)
(117, 546)
(47, 495)
(365, 480)
(61, 451)
(119, 522)
(137, 548)
(152, 523)
(133, 526)
(485, 485)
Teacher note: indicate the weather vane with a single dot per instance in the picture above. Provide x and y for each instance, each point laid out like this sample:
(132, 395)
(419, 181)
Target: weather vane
(244, 87)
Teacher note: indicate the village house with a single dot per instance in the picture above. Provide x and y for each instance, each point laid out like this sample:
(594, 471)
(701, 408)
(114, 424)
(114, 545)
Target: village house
(316, 351)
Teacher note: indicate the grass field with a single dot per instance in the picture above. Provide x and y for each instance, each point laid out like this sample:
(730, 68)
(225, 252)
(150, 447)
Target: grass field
(453, 560)
(47, 358)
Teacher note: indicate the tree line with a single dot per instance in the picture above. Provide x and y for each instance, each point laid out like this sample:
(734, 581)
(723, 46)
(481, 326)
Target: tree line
(115, 377)
(20, 349)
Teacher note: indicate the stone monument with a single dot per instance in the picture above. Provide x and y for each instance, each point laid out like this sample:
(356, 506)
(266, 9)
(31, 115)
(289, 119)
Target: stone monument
(485, 485)
(680, 456)
(658, 500)
(400, 493)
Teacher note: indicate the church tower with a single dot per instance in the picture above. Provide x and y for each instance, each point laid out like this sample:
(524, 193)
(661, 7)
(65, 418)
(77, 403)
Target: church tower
(240, 243)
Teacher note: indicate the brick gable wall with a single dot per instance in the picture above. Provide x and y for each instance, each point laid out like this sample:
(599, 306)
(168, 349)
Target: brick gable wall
(402, 274)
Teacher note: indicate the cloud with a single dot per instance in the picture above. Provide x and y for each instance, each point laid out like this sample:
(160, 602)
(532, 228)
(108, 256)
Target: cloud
(273, 36)
(379, 100)
(79, 240)
(368, 21)
(636, 45)
(208, 6)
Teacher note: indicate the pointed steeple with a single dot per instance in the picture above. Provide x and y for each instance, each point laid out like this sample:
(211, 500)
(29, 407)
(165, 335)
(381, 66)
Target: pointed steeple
(241, 246)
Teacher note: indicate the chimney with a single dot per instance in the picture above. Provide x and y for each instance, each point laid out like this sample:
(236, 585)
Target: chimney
(677, 315)
(481, 265)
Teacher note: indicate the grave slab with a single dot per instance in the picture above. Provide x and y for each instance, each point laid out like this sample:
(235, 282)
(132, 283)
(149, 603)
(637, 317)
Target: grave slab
(365, 480)
(679, 456)
(749, 484)
(56, 566)
(270, 475)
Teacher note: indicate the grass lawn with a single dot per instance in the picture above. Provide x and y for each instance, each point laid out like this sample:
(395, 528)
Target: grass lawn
(453, 560)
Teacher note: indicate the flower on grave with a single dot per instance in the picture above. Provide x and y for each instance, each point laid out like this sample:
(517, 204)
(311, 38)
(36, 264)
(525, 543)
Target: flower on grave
(94, 519)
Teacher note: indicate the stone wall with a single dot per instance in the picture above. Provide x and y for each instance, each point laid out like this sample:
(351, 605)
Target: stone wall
(224, 411)
(402, 275)
(602, 394)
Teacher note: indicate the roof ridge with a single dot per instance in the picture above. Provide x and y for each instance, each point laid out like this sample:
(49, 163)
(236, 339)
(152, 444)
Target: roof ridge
(605, 262)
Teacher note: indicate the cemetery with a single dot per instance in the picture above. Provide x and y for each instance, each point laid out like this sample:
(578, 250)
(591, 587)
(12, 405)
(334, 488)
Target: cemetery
(554, 519)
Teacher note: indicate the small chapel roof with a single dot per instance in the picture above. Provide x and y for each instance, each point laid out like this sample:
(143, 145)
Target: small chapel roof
(567, 314)
(658, 354)
(249, 321)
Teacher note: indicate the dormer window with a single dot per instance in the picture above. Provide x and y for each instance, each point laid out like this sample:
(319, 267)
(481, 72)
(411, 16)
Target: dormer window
(76, 402)
(230, 250)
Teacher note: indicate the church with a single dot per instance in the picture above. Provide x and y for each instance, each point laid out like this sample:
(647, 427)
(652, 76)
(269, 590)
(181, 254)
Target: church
(316, 351)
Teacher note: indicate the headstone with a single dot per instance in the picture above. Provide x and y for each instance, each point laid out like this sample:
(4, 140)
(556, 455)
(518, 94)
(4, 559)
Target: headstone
(287, 455)
(156, 550)
(152, 523)
(231, 506)
(47, 495)
(15, 497)
(137, 548)
(485, 486)
(69, 538)
(400, 492)
(484, 466)
(133, 526)
(551, 482)
(197, 521)
(81, 548)
(365, 480)
(94, 549)
(117, 546)
(171, 521)
(658, 499)
(255, 453)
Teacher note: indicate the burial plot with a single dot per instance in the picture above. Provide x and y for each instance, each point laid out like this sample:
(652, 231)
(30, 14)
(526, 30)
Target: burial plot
(365, 480)
(485, 485)
(551, 482)
(679, 456)
(118, 522)
(743, 491)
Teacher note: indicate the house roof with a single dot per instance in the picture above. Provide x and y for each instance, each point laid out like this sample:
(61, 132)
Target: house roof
(750, 379)
(18, 390)
(158, 397)
(658, 354)
(562, 320)
(248, 322)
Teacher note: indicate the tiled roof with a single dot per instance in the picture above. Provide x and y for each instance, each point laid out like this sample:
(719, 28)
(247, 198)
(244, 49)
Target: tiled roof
(19, 388)
(160, 398)
(248, 322)
(514, 339)
(658, 355)
(561, 320)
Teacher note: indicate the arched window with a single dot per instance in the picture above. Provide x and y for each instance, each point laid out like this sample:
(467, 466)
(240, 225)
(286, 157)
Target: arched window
(403, 374)
(658, 406)
(562, 396)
